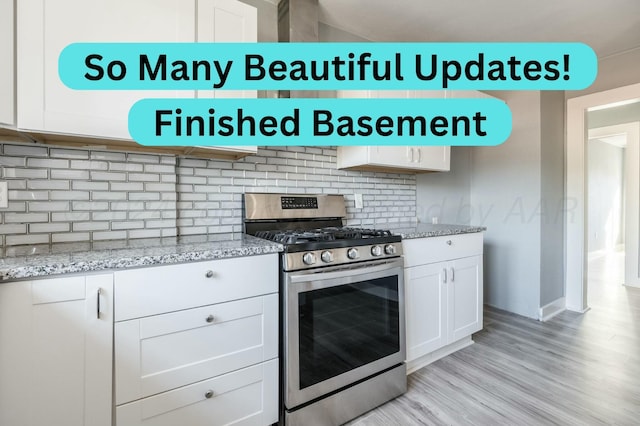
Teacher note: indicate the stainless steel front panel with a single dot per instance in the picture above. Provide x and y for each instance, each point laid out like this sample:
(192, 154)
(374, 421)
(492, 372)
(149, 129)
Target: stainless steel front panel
(306, 281)
(351, 402)
(263, 206)
(293, 261)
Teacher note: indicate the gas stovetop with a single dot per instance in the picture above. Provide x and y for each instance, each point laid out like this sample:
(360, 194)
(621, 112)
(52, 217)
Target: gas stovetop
(310, 229)
(333, 236)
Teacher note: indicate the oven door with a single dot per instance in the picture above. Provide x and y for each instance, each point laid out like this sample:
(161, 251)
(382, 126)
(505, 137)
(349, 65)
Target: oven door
(342, 324)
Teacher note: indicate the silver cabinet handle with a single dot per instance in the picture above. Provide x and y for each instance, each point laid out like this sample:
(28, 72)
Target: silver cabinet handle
(210, 318)
(410, 154)
(98, 303)
(209, 274)
(452, 275)
(419, 154)
(449, 242)
(208, 394)
(444, 272)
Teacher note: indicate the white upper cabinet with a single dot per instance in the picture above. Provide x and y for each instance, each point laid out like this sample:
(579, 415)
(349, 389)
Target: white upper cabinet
(394, 158)
(7, 93)
(226, 21)
(46, 106)
(46, 27)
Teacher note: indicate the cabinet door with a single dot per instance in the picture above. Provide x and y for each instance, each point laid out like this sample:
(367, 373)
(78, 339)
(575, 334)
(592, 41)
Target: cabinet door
(436, 158)
(7, 94)
(44, 28)
(392, 156)
(424, 296)
(410, 158)
(244, 397)
(59, 356)
(225, 21)
(464, 297)
(163, 352)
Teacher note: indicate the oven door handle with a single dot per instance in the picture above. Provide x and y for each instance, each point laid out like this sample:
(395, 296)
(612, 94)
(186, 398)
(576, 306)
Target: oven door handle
(345, 272)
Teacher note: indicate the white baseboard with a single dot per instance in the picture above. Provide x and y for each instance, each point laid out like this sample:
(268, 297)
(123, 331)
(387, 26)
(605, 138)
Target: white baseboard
(552, 309)
(578, 310)
(427, 359)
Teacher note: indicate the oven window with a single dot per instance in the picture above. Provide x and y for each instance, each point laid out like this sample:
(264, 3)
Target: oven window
(347, 326)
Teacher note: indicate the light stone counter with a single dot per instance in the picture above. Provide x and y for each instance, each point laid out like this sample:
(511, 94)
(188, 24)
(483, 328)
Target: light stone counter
(426, 230)
(19, 262)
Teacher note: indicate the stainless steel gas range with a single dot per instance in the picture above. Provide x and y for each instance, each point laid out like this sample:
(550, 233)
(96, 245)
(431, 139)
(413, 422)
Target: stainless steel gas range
(342, 308)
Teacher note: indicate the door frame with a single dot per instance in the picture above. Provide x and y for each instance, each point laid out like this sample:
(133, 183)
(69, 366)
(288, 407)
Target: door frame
(575, 189)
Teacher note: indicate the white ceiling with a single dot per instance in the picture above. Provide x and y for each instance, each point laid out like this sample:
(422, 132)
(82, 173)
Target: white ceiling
(609, 27)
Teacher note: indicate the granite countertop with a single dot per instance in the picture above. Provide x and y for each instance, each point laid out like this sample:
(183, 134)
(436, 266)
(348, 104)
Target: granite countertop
(425, 230)
(45, 260)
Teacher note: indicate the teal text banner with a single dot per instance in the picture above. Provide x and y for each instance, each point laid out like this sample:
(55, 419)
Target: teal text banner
(319, 122)
(327, 66)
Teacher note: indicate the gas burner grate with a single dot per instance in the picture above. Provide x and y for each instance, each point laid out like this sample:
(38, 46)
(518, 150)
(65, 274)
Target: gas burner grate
(297, 236)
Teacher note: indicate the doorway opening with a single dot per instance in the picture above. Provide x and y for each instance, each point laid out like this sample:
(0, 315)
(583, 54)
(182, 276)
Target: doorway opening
(612, 160)
(621, 215)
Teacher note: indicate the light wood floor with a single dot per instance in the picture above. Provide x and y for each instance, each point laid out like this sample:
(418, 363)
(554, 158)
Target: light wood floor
(572, 370)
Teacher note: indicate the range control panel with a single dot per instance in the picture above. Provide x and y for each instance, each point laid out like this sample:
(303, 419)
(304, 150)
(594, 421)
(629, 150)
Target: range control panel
(289, 203)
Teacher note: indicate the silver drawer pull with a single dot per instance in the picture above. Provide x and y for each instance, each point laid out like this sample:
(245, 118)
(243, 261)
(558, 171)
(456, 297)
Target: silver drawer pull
(448, 242)
(208, 394)
(209, 274)
(98, 303)
(210, 318)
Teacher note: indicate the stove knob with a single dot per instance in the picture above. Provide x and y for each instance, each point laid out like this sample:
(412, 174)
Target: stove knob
(309, 258)
(326, 256)
(352, 253)
(376, 251)
(390, 249)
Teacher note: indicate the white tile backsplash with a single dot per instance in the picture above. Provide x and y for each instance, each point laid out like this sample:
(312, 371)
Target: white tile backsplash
(60, 194)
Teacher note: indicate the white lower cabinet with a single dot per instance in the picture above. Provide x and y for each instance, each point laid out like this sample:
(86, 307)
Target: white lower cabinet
(56, 351)
(464, 297)
(444, 295)
(197, 343)
(163, 352)
(244, 397)
(192, 344)
(425, 307)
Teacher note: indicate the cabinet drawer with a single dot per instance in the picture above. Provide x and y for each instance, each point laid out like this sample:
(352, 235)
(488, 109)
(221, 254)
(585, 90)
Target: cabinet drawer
(248, 397)
(163, 352)
(421, 251)
(157, 290)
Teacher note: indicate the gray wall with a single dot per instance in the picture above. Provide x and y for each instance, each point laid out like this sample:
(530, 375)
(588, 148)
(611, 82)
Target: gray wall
(60, 194)
(605, 195)
(446, 195)
(506, 186)
(552, 197)
(516, 190)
